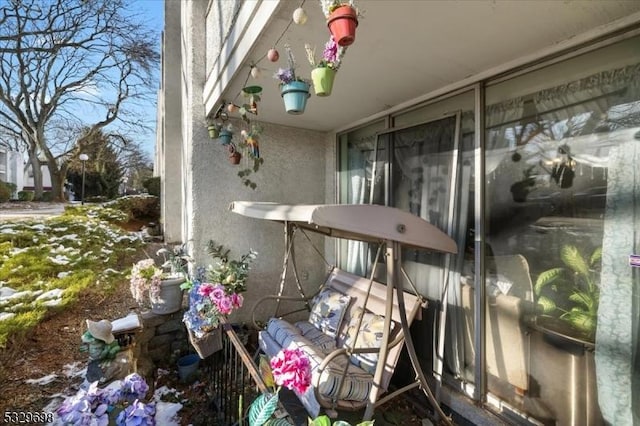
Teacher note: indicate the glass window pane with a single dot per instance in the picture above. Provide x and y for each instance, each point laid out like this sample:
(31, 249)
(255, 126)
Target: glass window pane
(562, 212)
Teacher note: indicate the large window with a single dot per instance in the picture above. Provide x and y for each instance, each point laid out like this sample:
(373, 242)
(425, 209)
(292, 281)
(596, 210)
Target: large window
(561, 195)
(562, 208)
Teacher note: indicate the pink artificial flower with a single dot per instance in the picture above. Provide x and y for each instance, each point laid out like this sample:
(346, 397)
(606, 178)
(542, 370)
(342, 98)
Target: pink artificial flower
(218, 293)
(206, 289)
(292, 369)
(237, 300)
(330, 53)
(225, 306)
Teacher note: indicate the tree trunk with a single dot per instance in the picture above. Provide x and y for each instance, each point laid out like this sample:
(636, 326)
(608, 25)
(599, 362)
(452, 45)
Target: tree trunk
(57, 184)
(37, 175)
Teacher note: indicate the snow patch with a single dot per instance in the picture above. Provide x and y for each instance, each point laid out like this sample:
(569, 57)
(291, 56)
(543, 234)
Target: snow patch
(42, 380)
(6, 315)
(56, 293)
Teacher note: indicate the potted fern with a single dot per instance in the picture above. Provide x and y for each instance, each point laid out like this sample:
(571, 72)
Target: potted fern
(570, 293)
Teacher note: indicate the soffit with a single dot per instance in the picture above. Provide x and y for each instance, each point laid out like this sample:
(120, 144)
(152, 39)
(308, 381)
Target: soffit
(404, 49)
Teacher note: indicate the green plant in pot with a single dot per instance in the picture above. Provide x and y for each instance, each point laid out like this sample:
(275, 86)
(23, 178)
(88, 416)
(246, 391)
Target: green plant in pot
(571, 292)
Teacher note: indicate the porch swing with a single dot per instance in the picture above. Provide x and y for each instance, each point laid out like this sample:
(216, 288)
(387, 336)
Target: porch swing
(351, 363)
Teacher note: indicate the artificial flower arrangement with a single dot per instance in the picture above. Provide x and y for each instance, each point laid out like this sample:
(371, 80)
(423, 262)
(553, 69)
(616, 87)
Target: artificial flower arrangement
(291, 369)
(342, 20)
(324, 71)
(288, 75)
(331, 55)
(122, 403)
(216, 291)
(146, 278)
(329, 6)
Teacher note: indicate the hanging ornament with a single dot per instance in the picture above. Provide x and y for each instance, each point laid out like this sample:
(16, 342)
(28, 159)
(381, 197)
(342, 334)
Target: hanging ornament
(232, 108)
(256, 72)
(299, 16)
(273, 55)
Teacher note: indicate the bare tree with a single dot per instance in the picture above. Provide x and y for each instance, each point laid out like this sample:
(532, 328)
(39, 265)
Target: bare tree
(67, 66)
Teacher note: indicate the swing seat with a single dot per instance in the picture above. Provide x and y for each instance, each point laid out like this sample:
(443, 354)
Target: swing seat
(334, 343)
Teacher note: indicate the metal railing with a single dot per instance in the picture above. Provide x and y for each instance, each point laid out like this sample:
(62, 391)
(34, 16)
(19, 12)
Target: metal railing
(233, 377)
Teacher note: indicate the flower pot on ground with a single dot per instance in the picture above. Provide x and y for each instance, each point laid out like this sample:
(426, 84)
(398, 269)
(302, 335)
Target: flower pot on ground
(295, 95)
(225, 137)
(342, 23)
(168, 299)
(188, 366)
(323, 80)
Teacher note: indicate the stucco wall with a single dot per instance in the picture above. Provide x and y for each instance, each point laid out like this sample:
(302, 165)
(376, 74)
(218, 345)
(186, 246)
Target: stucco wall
(293, 172)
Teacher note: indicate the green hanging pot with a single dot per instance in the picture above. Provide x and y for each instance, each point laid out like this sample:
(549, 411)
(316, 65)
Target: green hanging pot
(213, 131)
(323, 80)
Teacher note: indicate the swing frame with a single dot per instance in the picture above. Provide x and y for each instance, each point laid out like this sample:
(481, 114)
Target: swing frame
(388, 227)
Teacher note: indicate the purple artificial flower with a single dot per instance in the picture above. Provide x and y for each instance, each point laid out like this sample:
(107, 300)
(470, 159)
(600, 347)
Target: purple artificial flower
(330, 53)
(137, 414)
(134, 387)
(285, 75)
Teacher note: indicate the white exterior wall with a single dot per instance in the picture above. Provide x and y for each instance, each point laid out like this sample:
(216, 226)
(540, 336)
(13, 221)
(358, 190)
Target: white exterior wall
(294, 170)
(169, 123)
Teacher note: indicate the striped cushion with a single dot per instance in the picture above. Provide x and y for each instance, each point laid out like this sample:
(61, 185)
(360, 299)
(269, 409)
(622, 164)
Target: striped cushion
(308, 330)
(357, 382)
(282, 332)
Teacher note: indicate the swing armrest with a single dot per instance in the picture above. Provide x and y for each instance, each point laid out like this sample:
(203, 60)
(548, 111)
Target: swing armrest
(277, 298)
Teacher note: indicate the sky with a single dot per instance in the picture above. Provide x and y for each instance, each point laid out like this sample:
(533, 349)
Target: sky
(152, 12)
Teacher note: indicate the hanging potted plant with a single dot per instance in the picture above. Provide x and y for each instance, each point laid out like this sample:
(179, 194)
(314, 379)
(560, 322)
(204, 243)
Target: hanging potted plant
(226, 133)
(342, 20)
(324, 71)
(214, 129)
(293, 89)
(234, 155)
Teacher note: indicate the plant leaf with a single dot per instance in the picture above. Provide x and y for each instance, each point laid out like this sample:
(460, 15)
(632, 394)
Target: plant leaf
(320, 421)
(265, 371)
(262, 408)
(341, 423)
(546, 278)
(547, 305)
(572, 257)
(596, 257)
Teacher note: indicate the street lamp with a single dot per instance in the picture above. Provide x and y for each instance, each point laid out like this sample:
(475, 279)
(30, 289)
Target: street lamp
(83, 158)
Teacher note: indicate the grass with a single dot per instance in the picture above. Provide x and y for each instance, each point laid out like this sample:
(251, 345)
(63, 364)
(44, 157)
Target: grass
(46, 264)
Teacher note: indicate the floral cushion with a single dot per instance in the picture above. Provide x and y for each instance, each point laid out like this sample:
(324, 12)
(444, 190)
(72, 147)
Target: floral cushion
(327, 312)
(370, 336)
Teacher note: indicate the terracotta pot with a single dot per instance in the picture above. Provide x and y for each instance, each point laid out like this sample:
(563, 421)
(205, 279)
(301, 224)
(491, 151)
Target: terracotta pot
(234, 156)
(342, 24)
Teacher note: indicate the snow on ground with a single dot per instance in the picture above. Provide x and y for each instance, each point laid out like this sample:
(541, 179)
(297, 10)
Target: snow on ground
(6, 315)
(42, 381)
(74, 370)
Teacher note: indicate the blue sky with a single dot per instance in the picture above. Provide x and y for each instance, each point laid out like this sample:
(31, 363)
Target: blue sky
(152, 12)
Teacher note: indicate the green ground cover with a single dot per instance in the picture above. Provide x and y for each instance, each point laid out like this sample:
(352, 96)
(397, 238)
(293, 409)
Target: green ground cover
(46, 263)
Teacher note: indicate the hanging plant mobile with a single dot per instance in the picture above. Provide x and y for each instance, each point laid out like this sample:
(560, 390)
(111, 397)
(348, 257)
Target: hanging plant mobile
(226, 134)
(234, 154)
(249, 145)
(252, 93)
